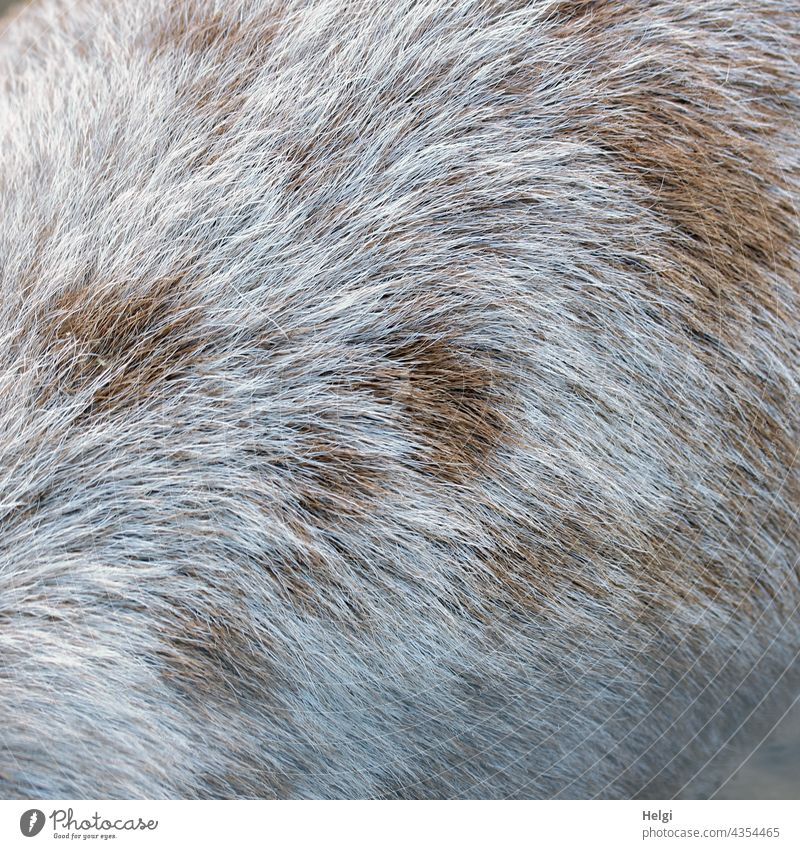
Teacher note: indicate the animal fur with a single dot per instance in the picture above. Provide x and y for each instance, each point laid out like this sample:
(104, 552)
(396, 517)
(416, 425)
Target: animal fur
(398, 398)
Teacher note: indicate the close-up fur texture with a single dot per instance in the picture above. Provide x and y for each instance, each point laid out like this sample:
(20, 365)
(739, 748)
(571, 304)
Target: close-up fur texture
(398, 398)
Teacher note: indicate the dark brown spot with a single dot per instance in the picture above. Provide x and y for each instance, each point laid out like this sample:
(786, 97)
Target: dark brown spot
(456, 402)
(115, 345)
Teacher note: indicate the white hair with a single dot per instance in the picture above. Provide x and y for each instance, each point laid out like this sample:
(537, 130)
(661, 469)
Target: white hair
(398, 398)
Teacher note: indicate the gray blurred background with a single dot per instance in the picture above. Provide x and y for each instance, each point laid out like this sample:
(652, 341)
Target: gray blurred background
(773, 770)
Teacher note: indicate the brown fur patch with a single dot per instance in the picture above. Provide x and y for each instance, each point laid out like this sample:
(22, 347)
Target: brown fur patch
(217, 662)
(335, 480)
(454, 401)
(676, 133)
(119, 343)
(593, 557)
(455, 405)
